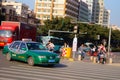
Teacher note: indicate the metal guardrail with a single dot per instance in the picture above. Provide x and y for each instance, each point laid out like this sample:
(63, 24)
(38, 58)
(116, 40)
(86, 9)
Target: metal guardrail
(116, 57)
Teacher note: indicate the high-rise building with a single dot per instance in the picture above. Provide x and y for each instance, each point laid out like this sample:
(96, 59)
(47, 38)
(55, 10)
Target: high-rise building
(98, 11)
(80, 10)
(83, 12)
(90, 7)
(106, 17)
(21, 9)
(48, 9)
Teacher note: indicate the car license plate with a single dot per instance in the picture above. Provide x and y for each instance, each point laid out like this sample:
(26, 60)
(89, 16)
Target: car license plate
(51, 61)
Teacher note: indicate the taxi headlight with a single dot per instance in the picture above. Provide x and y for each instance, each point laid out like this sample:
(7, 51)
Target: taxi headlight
(42, 56)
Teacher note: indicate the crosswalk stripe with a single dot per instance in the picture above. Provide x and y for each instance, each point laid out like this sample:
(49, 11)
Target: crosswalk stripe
(43, 75)
(60, 73)
(35, 74)
(70, 70)
(20, 76)
(2, 78)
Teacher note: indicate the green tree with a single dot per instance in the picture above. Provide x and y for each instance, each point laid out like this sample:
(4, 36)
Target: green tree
(64, 24)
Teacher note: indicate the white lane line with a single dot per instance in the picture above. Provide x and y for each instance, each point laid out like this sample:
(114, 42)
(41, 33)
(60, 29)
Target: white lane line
(20, 76)
(71, 71)
(53, 75)
(32, 75)
(3, 78)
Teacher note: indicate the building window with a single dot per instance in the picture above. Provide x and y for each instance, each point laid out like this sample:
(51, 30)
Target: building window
(45, 5)
(55, 11)
(38, 16)
(39, 5)
(55, 1)
(39, 10)
(45, 10)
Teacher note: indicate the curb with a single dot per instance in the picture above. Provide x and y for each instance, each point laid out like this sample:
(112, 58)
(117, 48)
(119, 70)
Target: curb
(114, 64)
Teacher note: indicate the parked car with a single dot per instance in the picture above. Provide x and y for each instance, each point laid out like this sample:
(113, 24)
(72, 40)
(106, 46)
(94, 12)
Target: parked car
(30, 52)
(89, 47)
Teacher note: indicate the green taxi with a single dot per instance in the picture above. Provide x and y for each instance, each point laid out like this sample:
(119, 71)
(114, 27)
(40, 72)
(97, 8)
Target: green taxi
(30, 52)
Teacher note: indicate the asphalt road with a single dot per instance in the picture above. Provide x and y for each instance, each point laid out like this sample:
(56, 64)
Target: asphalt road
(66, 70)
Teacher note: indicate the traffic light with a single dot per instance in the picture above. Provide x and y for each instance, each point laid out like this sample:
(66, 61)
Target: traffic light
(76, 29)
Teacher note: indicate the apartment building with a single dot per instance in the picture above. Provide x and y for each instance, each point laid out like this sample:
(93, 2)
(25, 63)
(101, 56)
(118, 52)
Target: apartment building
(9, 13)
(48, 9)
(114, 27)
(98, 11)
(20, 9)
(106, 17)
(83, 12)
(90, 7)
(80, 10)
(6, 12)
(15, 11)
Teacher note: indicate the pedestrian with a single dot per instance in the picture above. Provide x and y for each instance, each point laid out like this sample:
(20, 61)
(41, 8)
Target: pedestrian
(93, 51)
(81, 51)
(101, 50)
(50, 46)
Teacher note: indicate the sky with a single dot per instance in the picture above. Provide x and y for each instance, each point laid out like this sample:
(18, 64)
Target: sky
(112, 5)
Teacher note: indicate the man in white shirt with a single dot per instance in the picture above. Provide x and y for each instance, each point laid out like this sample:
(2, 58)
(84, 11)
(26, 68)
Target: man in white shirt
(50, 46)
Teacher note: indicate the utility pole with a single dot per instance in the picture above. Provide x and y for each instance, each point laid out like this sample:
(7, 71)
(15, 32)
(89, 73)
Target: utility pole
(109, 41)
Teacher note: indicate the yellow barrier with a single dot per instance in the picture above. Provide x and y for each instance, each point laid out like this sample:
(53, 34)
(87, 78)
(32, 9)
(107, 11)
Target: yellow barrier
(67, 52)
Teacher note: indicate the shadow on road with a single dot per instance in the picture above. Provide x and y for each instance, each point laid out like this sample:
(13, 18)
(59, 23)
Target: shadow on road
(50, 66)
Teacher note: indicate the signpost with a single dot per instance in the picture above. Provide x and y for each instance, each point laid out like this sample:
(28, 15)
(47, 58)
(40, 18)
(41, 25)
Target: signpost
(74, 46)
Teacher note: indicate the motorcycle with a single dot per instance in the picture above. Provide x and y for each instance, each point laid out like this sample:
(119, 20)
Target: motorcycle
(102, 58)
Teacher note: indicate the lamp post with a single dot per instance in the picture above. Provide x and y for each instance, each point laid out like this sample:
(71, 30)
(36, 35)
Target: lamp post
(109, 55)
(109, 40)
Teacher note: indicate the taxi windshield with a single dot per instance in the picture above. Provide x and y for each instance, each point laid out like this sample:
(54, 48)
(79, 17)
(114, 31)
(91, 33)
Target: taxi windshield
(35, 46)
(5, 33)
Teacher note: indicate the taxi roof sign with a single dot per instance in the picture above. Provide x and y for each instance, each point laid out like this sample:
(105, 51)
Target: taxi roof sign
(26, 39)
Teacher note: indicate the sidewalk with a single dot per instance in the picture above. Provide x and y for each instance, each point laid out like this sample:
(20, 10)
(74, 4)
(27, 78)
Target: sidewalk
(114, 64)
(68, 60)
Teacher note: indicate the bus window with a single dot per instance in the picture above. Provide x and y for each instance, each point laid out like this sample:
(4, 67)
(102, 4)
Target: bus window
(57, 41)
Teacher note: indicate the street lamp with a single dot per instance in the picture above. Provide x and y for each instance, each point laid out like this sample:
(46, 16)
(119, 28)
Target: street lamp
(110, 27)
(109, 41)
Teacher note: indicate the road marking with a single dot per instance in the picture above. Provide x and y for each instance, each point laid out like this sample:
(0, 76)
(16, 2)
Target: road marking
(61, 74)
(20, 76)
(2, 78)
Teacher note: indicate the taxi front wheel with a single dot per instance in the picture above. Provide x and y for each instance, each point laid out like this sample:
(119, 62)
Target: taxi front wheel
(8, 57)
(30, 61)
